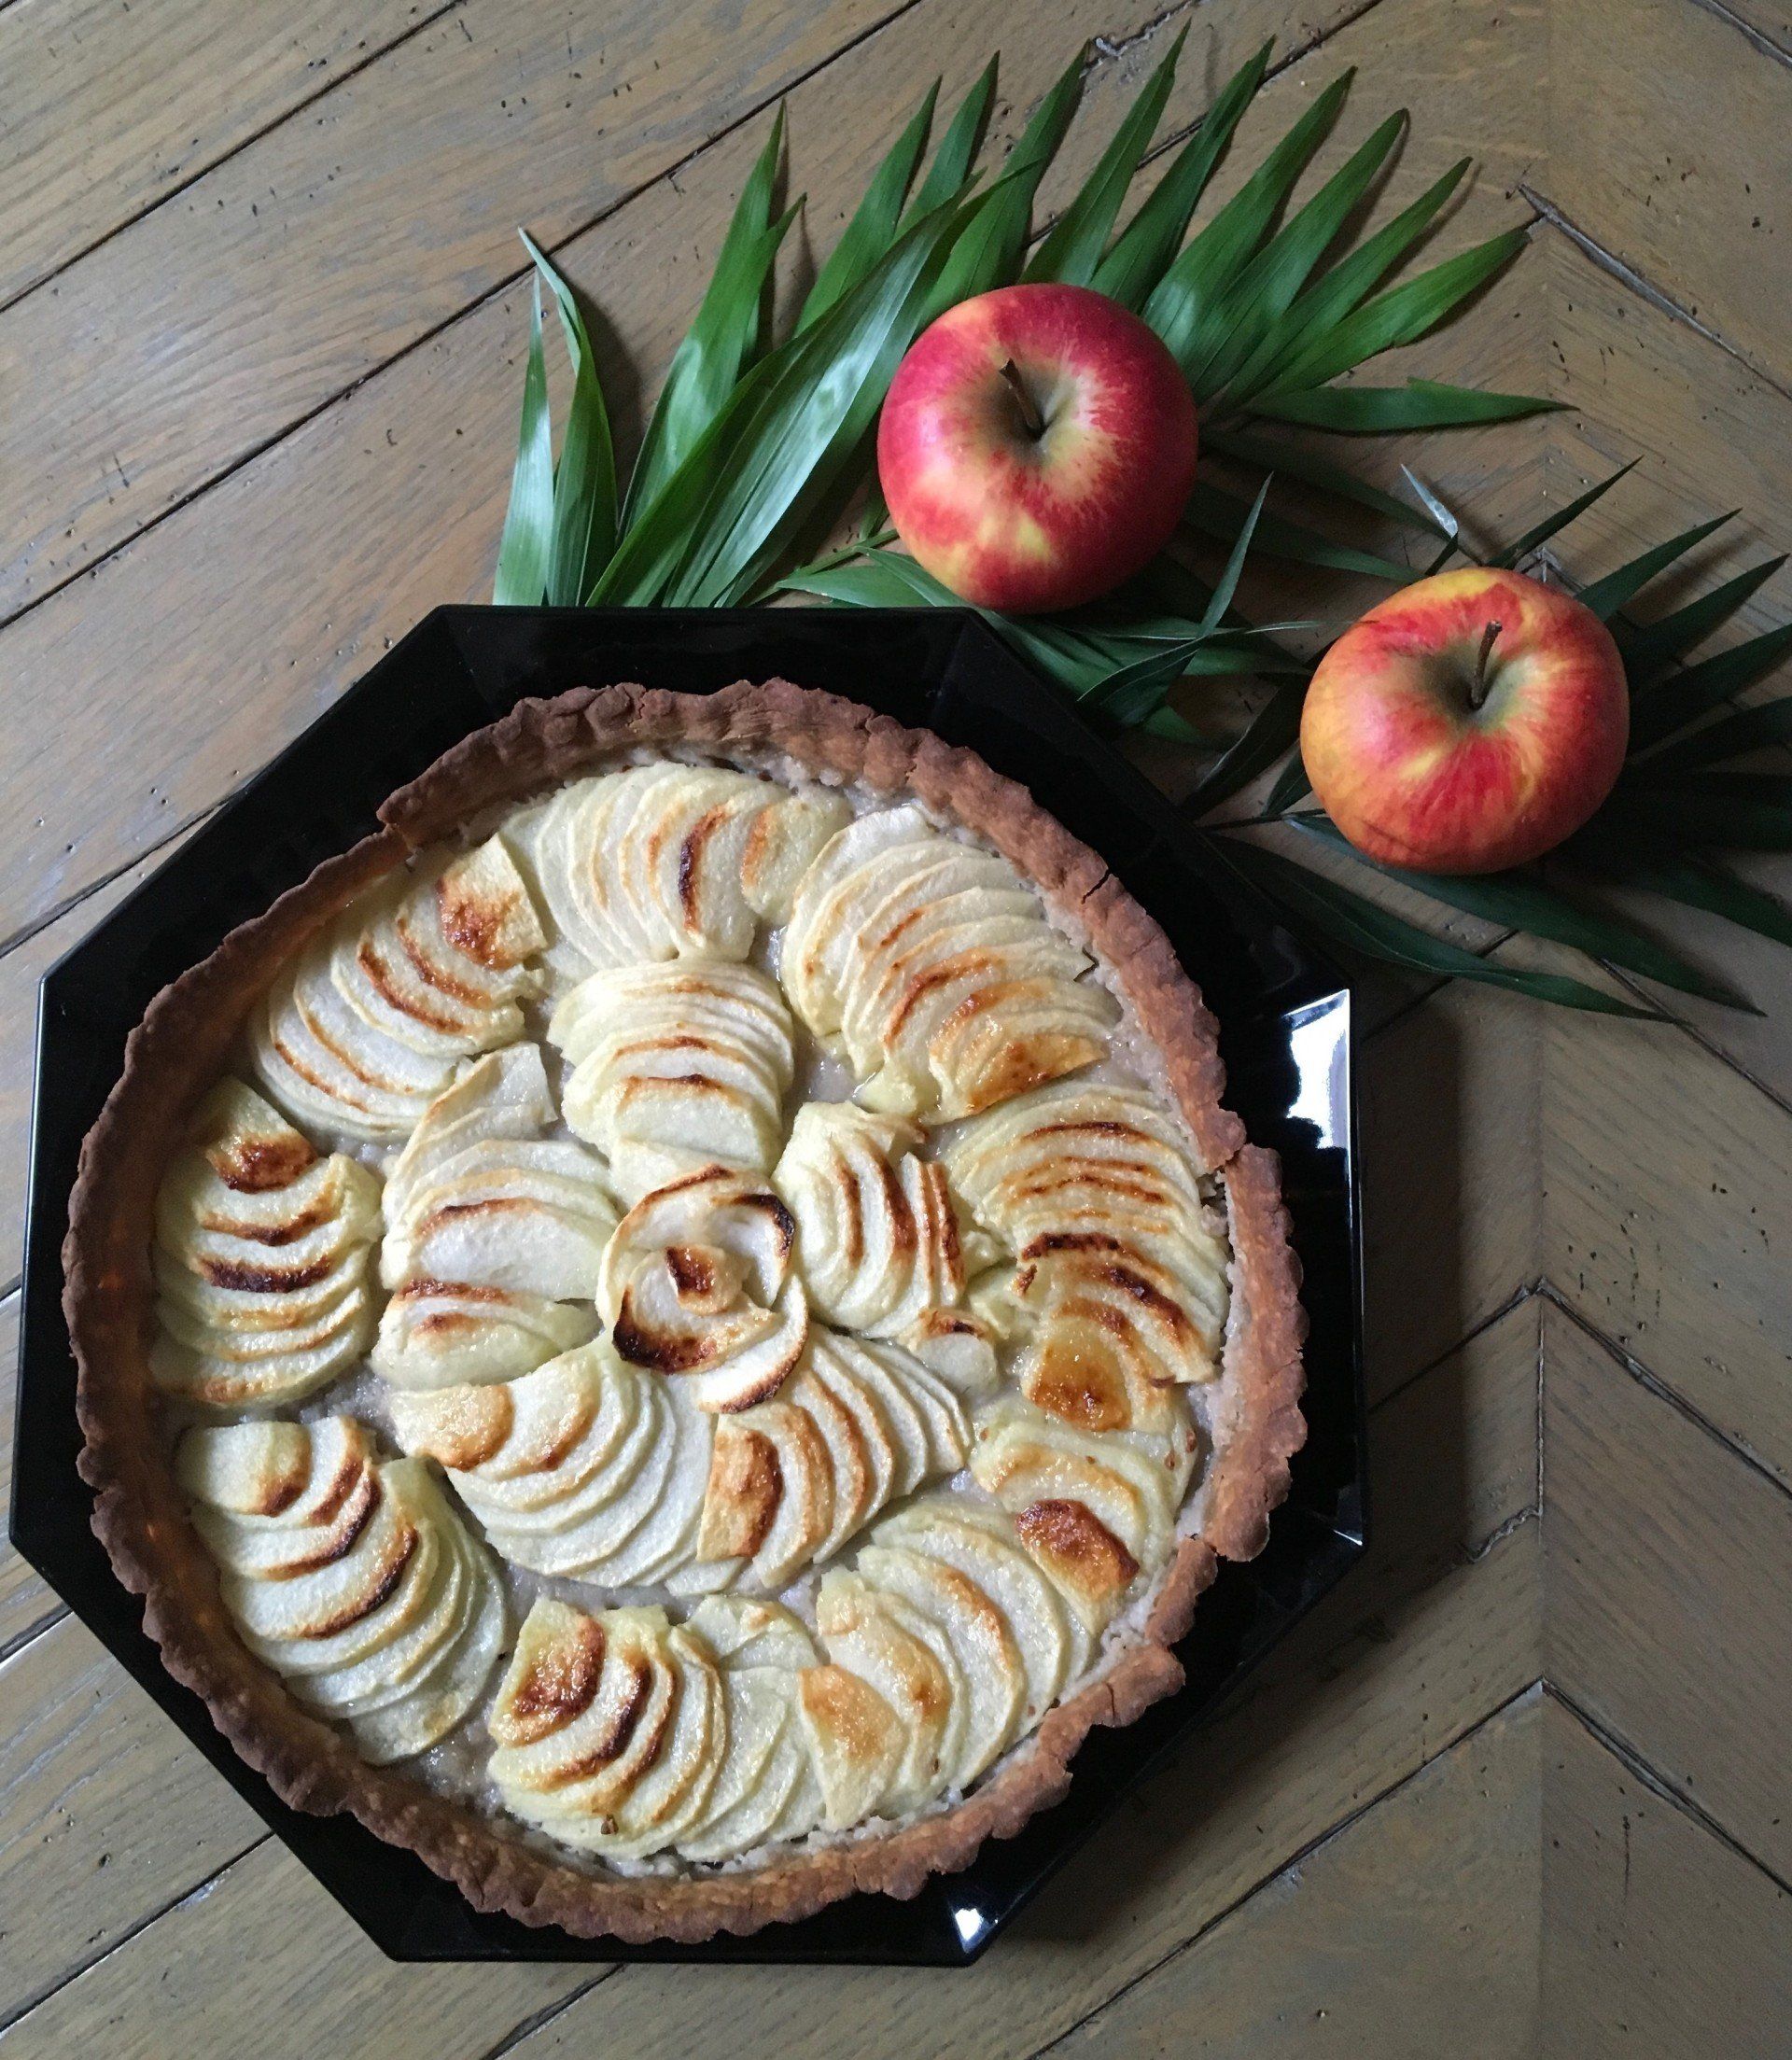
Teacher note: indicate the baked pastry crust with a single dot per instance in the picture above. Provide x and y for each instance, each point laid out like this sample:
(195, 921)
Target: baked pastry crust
(183, 1043)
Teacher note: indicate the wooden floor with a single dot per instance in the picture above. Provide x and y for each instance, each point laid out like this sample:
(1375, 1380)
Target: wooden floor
(1522, 1785)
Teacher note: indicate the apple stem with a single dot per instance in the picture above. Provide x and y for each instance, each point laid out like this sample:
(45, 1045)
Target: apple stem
(1031, 418)
(1477, 692)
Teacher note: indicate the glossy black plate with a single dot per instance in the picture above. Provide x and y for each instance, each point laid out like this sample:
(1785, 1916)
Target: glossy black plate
(1286, 1033)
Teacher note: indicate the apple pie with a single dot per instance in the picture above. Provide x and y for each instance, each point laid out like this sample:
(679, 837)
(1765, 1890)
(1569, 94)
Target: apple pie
(672, 1329)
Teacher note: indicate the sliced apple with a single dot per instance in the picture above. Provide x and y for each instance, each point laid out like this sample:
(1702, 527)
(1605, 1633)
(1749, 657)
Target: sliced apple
(352, 1579)
(907, 1659)
(1096, 1510)
(479, 1196)
(981, 1543)
(1098, 1198)
(581, 1717)
(877, 1238)
(857, 1743)
(260, 1258)
(437, 1334)
(365, 1028)
(657, 862)
(989, 1661)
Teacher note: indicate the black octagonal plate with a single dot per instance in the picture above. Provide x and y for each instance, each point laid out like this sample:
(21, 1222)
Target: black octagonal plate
(1286, 1034)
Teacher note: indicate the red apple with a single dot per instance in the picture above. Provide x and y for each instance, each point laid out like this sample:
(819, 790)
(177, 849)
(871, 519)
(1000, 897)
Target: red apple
(1471, 721)
(1036, 447)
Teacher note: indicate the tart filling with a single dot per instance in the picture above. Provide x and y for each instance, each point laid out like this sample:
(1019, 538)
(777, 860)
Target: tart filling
(727, 1308)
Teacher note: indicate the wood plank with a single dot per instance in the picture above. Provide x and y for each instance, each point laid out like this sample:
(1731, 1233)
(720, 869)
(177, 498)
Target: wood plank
(106, 1813)
(341, 237)
(237, 619)
(266, 1962)
(20, 970)
(1667, 1185)
(1667, 1614)
(1451, 1107)
(1375, 1684)
(1654, 1933)
(1423, 1915)
(336, 241)
(25, 1600)
(1691, 190)
(109, 108)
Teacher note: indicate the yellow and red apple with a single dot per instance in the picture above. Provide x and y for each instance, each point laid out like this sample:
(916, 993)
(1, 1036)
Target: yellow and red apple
(1036, 447)
(1470, 722)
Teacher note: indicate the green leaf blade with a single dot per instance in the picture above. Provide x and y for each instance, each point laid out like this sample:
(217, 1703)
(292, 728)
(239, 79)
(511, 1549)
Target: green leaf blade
(584, 481)
(1419, 404)
(1349, 919)
(1187, 306)
(1522, 901)
(1070, 253)
(1607, 596)
(1143, 251)
(873, 225)
(1665, 707)
(527, 536)
(723, 340)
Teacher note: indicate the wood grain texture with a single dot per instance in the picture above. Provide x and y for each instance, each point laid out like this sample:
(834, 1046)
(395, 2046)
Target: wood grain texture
(1657, 1937)
(20, 970)
(1413, 1931)
(313, 1987)
(1669, 1616)
(1450, 1117)
(1438, 1626)
(1690, 188)
(106, 1813)
(25, 1602)
(233, 623)
(110, 108)
(1668, 1191)
(343, 236)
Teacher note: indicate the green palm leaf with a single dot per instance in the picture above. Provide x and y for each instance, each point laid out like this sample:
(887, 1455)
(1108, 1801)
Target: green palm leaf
(1401, 315)
(989, 248)
(724, 340)
(1695, 883)
(1534, 538)
(873, 227)
(1278, 455)
(1070, 253)
(584, 481)
(523, 549)
(1186, 306)
(1216, 513)
(1522, 901)
(1145, 247)
(957, 149)
(1377, 411)
(1607, 596)
(1649, 651)
(1746, 729)
(1341, 289)
(782, 441)
(1265, 737)
(1669, 705)
(1266, 288)
(1347, 918)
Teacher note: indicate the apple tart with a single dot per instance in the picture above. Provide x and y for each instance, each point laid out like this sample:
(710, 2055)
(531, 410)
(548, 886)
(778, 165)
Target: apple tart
(674, 1327)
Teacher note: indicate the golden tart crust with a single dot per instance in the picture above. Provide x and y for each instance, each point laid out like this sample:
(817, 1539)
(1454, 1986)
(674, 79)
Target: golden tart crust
(183, 1044)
